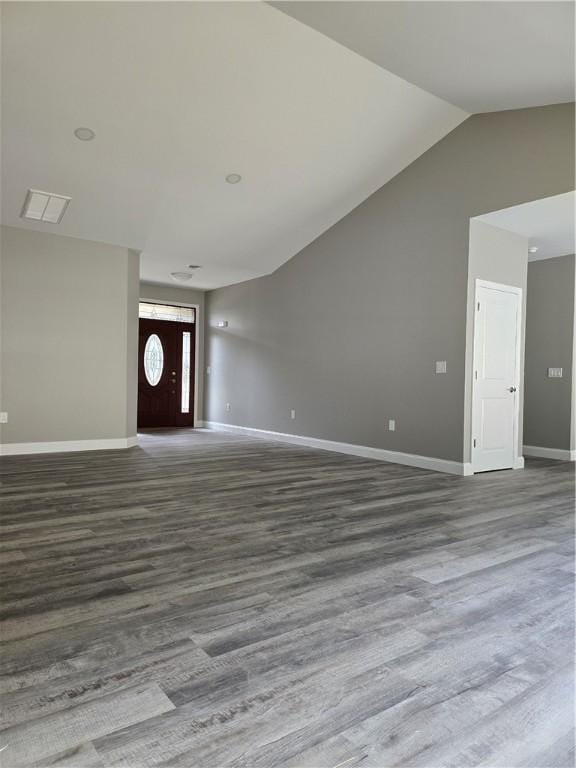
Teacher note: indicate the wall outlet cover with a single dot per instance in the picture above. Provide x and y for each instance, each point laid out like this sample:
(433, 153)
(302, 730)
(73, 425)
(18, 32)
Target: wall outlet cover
(392, 425)
(4, 417)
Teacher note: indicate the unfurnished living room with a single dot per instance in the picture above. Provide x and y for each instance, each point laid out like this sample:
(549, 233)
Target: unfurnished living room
(287, 384)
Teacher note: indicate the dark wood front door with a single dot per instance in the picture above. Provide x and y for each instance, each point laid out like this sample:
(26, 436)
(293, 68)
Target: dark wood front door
(166, 355)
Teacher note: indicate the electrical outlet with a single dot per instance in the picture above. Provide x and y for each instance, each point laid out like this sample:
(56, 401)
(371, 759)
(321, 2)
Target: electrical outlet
(392, 425)
(292, 414)
(4, 417)
(228, 407)
(555, 373)
(440, 366)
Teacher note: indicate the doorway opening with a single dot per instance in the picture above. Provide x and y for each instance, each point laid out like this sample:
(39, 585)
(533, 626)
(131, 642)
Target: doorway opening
(167, 370)
(521, 342)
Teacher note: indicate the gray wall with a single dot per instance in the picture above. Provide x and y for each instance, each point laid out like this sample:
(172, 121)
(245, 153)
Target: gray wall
(347, 331)
(549, 343)
(184, 296)
(502, 257)
(69, 314)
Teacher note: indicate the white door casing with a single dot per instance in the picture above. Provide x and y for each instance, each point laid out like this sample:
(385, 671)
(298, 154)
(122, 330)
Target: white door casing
(496, 377)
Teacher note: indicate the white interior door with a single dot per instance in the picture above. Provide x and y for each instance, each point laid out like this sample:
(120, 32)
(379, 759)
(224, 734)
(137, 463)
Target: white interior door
(495, 411)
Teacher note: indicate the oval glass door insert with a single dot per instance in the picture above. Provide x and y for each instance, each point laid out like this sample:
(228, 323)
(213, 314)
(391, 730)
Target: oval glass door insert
(153, 360)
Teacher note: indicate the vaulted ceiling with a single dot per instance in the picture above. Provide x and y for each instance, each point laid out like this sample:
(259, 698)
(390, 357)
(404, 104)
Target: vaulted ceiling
(482, 56)
(180, 95)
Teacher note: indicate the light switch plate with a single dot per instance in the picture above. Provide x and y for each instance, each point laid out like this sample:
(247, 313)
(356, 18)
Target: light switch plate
(392, 425)
(292, 414)
(228, 407)
(555, 373)
(4, 417)
(440, 366)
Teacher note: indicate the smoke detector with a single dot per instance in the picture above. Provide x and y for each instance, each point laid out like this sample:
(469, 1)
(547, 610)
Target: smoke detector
(84, 134)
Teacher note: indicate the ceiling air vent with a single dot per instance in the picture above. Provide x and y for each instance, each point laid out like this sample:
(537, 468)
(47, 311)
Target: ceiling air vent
(44, 206)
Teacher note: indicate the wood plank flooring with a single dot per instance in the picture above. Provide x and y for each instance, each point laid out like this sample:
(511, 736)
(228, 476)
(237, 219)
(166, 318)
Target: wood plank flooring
(214, 601)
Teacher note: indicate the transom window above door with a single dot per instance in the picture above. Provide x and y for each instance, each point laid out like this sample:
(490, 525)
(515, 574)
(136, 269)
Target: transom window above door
(153, 311)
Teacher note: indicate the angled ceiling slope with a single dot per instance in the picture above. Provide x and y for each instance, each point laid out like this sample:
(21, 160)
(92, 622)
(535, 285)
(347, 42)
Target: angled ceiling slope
(182, 94)
(483, 56)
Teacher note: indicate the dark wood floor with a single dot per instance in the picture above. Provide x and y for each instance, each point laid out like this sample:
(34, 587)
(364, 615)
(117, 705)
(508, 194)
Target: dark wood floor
(207, 600)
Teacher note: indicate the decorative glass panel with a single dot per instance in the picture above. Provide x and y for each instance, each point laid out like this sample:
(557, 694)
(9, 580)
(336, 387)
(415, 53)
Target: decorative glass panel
(166, 312)
(185, 401)
(153, 360)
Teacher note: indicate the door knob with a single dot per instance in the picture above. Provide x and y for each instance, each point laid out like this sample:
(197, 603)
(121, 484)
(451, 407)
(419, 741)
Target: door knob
(512, 389)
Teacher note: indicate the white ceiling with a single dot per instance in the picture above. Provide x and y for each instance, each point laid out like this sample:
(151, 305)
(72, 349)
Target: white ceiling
(548, 223)
(182, 94)
(482, 56)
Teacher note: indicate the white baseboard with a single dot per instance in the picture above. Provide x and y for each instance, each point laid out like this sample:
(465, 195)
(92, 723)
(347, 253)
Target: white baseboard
(67, 446)
(560, 454)
(365, 451)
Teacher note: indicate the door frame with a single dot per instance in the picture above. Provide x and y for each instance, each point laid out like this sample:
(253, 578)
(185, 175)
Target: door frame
(196, 308)
(517, 458)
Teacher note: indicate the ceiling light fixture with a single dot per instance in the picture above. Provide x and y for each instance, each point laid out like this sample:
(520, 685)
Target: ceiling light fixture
(84, 134)
(44, 206)
(533, 249)
(181, 277)
(233, 178)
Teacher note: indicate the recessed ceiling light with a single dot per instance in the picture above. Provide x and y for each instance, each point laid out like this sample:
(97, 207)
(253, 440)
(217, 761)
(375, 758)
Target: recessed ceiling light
(533, 249)
(181, 277)
(44, 206)
(233, 178)
(84, 134)
(194, 266)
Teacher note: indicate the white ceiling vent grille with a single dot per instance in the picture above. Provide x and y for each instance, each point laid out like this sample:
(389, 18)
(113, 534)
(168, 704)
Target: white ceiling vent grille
(44, 206)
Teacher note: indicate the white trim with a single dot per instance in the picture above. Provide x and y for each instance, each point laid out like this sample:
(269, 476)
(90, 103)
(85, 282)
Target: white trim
(573, 398)
(517, 461)
(562, 454)
(68, 446)
(380, 454)
(196, 308)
